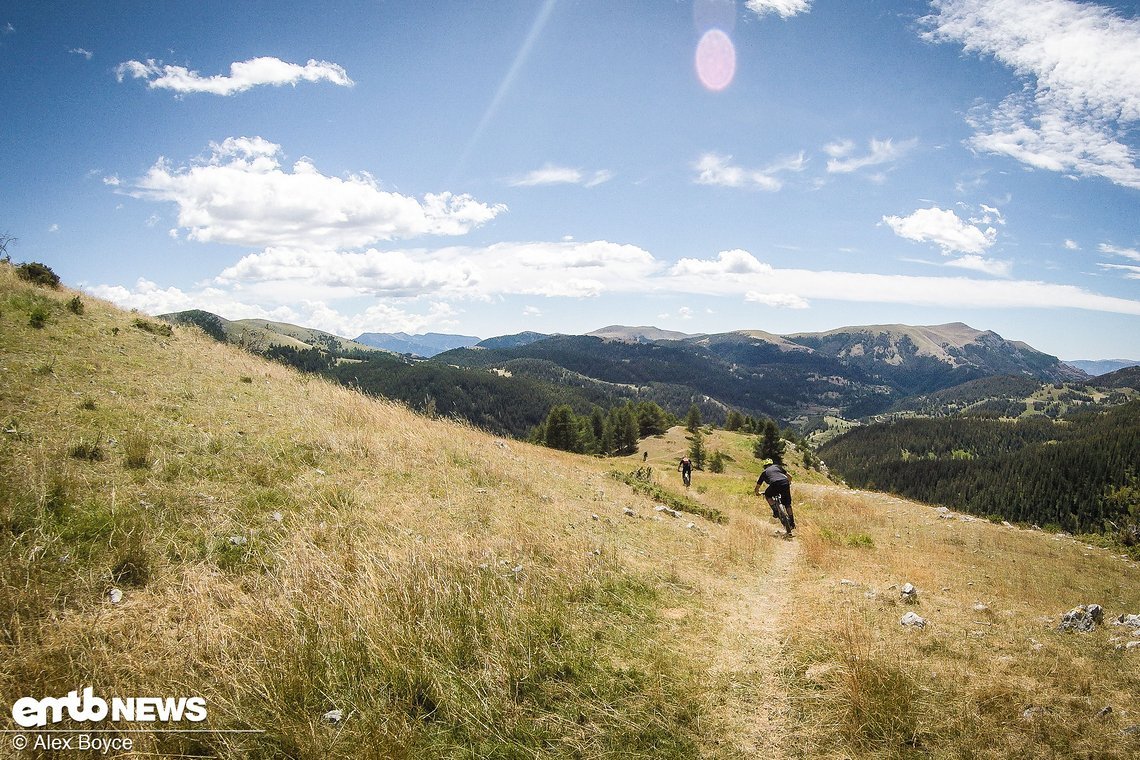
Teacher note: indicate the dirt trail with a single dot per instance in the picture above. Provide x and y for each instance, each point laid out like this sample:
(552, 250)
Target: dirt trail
(749, 658)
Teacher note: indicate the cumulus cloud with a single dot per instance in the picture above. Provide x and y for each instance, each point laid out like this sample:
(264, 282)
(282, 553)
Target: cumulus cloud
(240, 194)
(783, 8)
(1081, 64)
(943, 228)
(561, 175)
(1072, 245)
(717, 169)
(542, 269)
(727, 262)
(244, 75)
(879, 152)
(83, 52)
(419, 288)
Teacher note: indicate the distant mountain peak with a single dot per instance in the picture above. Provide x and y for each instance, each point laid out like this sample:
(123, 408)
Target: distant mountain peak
(638, 334)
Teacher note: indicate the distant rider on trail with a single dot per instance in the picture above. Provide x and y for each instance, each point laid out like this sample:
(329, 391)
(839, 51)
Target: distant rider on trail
(779, 484)
(686, 468)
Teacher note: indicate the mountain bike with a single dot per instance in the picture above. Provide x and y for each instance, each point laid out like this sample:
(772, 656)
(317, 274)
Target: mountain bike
(776, 502)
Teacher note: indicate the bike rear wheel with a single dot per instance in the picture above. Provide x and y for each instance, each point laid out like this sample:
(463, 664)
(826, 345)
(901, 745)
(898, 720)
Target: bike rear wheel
(782, 513)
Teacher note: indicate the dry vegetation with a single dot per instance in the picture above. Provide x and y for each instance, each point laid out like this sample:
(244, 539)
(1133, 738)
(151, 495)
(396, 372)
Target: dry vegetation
(285, 548)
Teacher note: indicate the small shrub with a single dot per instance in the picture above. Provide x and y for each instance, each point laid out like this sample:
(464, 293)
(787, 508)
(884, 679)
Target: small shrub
(37, 318)
(38, 274)
(861, 541)
(75, 305)
(154, 328)
(246, 379)
(87, 404)
(45, 369)
(88, 450)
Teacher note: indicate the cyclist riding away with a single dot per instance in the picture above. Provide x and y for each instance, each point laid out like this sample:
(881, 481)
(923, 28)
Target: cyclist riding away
(779, 486)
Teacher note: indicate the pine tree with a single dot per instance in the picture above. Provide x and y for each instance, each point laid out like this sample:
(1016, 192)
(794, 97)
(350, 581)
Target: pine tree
(770, 445)
(697, 451)
(716, 462)
(562, 429)
(693, 419)
(734, 421)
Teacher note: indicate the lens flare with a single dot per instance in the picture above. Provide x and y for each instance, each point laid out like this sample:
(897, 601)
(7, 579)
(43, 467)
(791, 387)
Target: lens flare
(715, 60)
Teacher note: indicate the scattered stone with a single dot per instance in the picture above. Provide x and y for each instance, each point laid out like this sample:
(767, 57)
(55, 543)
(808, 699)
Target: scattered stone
(846, 582)
(666, 510)
(1006, 524)
(1131, 730)
(629, 512)
(277, 517)
(1130, 645)
(333, 716)
(946, 516)
(912, 620)
(1104, 712)
(691, 526)
(980, 607)
(1082, 619)
(517, 569)
(321, 472)
(595, 518)
(943, 510)
(115, 595)
(238, 540)
(908, 593)
(1031, 712)
(597, 552)
(1132, 621)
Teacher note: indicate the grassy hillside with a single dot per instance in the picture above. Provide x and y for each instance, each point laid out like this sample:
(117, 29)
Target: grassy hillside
(285, 547)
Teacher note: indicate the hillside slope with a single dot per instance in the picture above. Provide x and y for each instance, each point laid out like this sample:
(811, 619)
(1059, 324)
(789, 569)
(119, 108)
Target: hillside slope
(183, 518)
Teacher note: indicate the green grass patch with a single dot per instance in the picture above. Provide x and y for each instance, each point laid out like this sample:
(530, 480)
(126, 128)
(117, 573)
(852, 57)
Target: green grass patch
(641, 481)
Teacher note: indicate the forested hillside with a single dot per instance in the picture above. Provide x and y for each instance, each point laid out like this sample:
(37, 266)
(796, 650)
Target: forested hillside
(1076, 474)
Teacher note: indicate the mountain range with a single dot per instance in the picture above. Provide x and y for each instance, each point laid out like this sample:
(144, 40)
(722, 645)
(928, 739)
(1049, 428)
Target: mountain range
(850, 372)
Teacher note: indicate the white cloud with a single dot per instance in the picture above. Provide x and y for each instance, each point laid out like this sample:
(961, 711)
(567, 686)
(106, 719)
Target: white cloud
(716, 169)
(150, 298)
(777, 300)
(244, 75)
(943, 228)
(1072, 245)
(784, 8)
(543, 269)
(1130, 272)
(1081, 62)
(561, 175)
(1128, 253)
(977, 263)
(53, 228)
(418, 288)
(241, 195)
(532, 311)
(727, 262)
(879, 152)
(83, 52)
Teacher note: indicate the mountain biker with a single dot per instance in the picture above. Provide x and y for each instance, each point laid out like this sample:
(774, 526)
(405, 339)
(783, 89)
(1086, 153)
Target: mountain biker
(686, 468)
(779, 484)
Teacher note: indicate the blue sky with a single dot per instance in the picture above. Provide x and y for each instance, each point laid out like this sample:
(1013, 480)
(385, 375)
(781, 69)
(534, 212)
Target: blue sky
(560, 165)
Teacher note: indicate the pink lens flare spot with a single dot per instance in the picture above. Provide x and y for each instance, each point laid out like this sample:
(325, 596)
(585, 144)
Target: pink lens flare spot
(716, 60)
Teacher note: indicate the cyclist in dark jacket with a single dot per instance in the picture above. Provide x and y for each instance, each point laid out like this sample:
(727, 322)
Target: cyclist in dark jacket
(776, 477)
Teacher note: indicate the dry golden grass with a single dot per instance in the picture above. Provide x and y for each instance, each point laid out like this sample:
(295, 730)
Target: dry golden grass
(286, 547)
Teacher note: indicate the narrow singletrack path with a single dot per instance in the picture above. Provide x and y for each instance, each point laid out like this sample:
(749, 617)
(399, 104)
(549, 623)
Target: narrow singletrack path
(749, 657)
